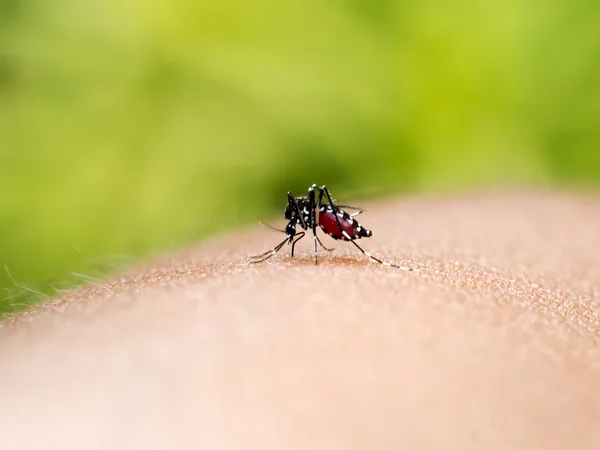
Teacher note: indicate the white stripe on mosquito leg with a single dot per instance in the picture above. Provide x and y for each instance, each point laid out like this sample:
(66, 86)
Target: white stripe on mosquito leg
(346, 235)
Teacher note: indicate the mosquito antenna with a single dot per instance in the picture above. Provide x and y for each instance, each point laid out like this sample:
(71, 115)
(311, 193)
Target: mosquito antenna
(269, 226)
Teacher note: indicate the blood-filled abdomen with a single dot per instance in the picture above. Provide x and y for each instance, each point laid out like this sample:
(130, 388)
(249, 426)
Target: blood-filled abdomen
(329, 224)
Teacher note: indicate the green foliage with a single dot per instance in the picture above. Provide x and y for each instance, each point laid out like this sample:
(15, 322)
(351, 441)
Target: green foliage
(129, 126)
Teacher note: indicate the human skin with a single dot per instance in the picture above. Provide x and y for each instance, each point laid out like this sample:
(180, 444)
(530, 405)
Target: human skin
(492, 344)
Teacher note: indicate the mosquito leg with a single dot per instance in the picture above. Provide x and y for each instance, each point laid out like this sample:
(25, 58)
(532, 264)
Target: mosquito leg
(347, 236)
(321, 244)
(298, 237)
(325, 191)
(384, 263)
(321, 193)
(318, 207)
(313, 216)
(268, 254)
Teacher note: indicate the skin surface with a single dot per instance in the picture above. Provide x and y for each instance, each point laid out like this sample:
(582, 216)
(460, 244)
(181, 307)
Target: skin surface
(493, 344)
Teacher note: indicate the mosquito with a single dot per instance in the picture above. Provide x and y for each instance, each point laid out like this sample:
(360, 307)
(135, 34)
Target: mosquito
(321, 211)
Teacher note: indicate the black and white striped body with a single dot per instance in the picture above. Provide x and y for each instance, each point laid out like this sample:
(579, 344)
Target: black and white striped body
(344, 226)
(311, 213)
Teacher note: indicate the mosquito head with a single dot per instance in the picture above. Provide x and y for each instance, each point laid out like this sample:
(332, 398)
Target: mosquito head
(290, 229)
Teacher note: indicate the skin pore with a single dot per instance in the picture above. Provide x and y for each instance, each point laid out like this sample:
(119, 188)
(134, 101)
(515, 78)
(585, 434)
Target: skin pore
(493, 344)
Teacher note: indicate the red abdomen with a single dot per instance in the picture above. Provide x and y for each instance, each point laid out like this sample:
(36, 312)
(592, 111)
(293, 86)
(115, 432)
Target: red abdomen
(329, 224)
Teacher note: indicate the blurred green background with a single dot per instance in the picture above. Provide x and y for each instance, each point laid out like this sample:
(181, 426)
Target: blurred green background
(131, 126)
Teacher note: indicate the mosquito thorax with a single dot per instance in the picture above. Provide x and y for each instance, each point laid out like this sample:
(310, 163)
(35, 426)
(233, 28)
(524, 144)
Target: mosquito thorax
(302, 205)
